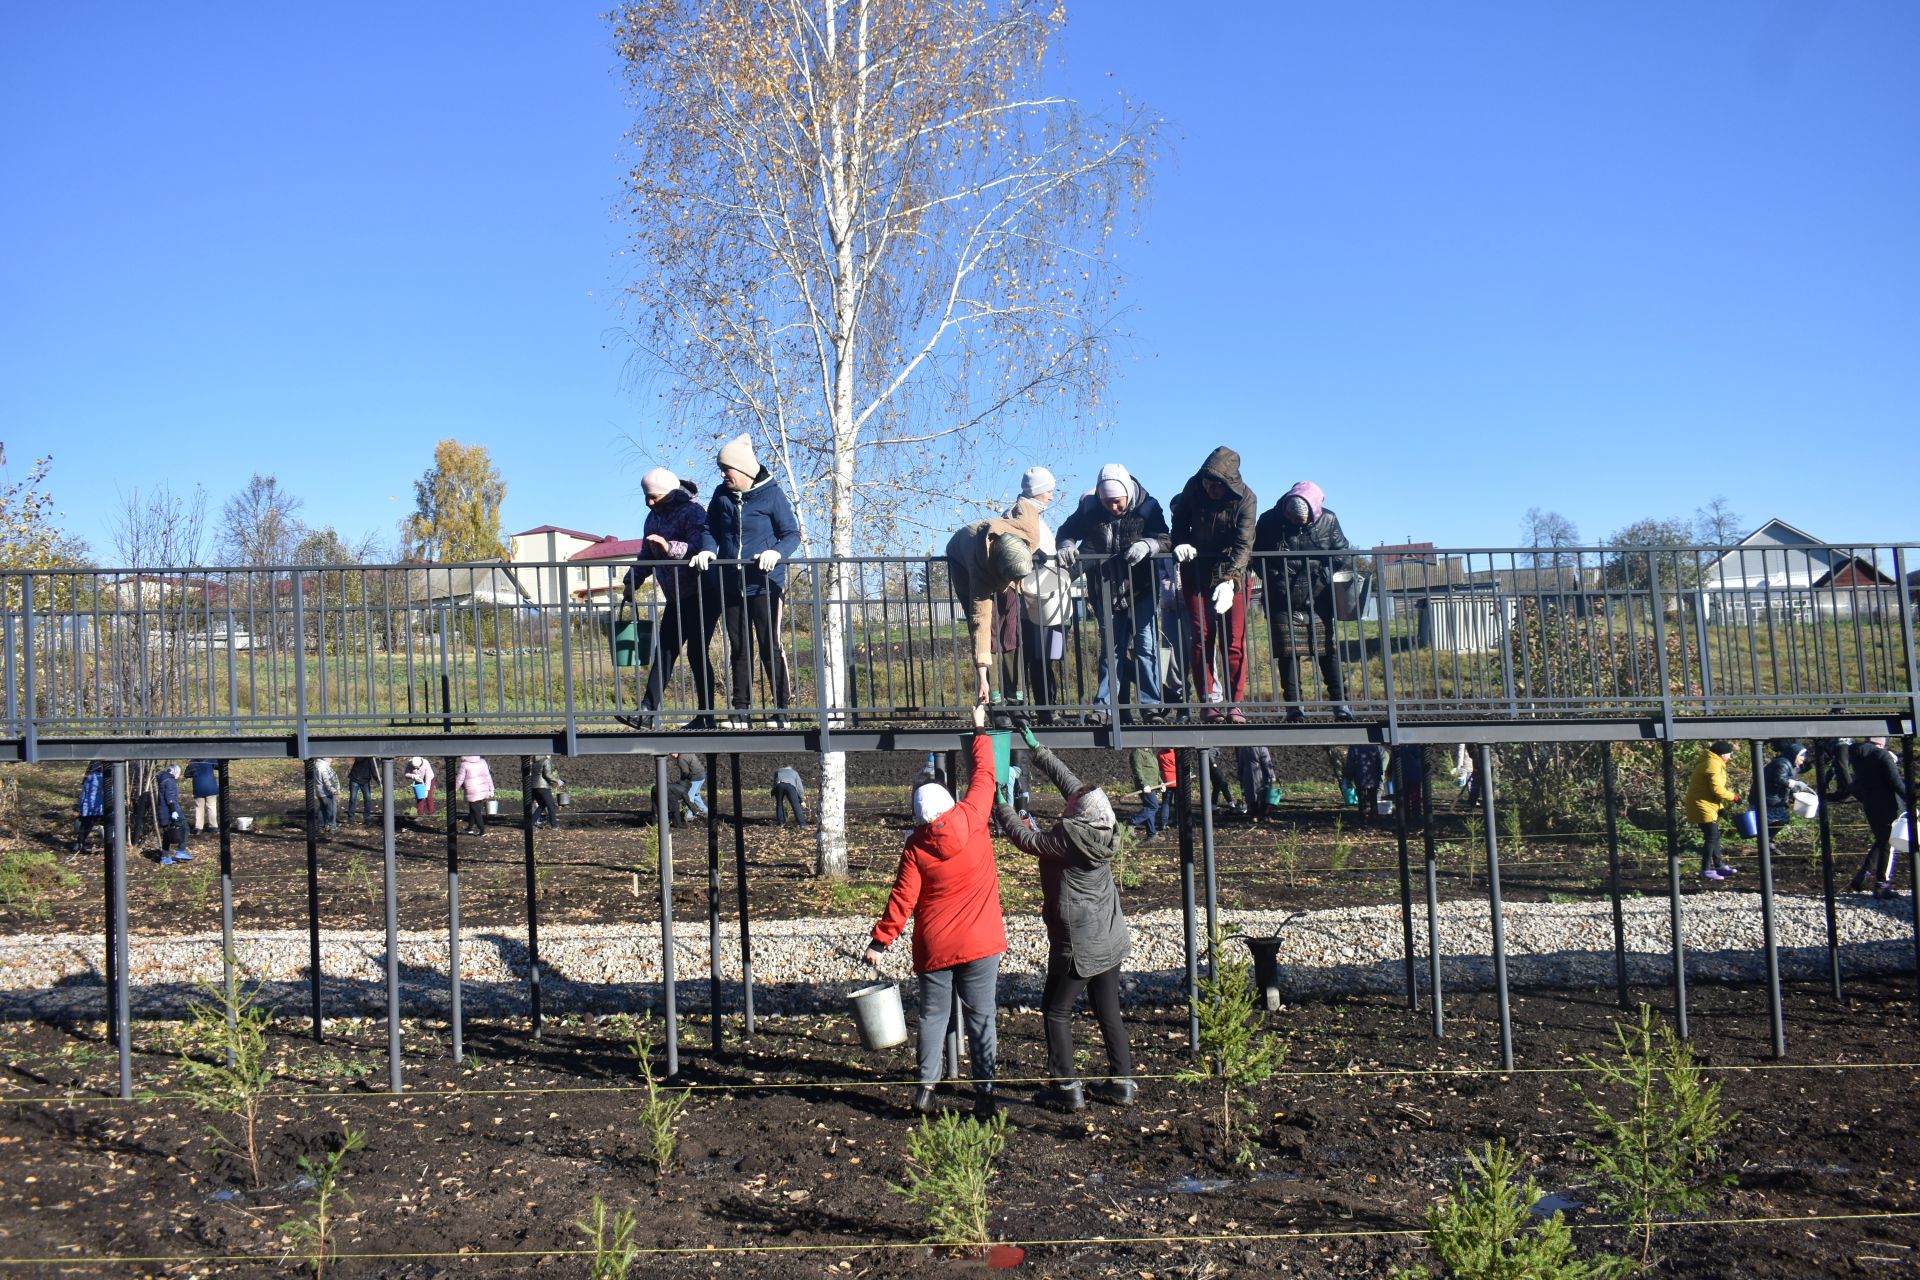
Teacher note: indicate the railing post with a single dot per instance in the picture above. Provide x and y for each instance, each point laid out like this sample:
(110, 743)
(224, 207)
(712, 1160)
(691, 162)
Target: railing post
(30, 708)
(1660, 647)
(12, 669)
(299, 668)
(819, 655)
(566, 674)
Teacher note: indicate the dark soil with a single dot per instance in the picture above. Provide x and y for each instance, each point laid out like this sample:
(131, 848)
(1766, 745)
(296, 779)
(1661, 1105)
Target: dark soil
(1312, 855)
(792, 1147)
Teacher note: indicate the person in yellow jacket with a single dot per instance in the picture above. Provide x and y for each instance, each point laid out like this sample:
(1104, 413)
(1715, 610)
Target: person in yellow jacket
(1707, 794)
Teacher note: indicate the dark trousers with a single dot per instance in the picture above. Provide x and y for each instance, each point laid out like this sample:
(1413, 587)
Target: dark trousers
(1295, 637)
(477, 816)
(1036, 651)
(1369, 804)
(543, 806)
(759, 615)
(786, 794)
(685, 625)
(1057, 999)
(1711, 859)
(1877, 866)
(83, 830)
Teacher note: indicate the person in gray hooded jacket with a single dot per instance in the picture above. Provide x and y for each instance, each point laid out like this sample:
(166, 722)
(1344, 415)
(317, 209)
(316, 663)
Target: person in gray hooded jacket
(1086, 932)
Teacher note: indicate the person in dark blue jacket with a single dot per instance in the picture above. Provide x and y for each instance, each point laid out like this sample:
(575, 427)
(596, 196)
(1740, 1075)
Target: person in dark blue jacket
(173, 831)
(91, 811)
(1124, 522)
(751, 520)
(205, 776)
(677, 530)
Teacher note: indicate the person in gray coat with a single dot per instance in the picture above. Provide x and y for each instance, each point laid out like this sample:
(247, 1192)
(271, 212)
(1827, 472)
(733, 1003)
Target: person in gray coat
(1086, 932)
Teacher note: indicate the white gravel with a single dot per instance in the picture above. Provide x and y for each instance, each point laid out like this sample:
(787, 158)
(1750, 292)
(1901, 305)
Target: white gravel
(801, 964)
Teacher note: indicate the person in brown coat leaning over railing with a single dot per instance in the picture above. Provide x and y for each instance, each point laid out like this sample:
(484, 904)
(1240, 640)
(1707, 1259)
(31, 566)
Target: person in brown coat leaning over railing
(984, 559)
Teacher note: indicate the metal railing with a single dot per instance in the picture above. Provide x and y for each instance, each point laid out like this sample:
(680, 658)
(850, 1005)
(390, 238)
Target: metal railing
(1530, 635)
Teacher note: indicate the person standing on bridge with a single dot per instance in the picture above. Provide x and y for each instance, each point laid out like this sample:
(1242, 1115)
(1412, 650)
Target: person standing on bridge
(1213, 523)
(1086, 932)
(1046, 596)
(986, 560)
(751, 520)
(1299, 590)
(1124, 522)
(676, 529)
(948, 885)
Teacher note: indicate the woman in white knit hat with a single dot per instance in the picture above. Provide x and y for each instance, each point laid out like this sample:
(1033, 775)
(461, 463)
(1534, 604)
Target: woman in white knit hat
(752, 522)
(676, 529)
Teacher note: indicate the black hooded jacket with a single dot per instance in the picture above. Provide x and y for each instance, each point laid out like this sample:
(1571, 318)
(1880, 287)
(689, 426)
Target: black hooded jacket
(1221, 532)
(1297, 584)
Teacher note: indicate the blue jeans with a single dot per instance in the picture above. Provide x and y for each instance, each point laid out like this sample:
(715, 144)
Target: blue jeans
(1136, 632)
(363, 792)
(694, 789)
(785, 795)
(1155, 813)
(978, 982)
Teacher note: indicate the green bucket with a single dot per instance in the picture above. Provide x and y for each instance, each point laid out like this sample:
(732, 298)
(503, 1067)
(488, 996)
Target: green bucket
(631, 638)
(1002, 741)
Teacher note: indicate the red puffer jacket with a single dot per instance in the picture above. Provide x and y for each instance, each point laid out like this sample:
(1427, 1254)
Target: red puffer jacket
(947, 881)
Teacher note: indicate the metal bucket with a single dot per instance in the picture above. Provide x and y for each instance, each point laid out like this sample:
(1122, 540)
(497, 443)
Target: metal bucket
(493, 808)
(878, 1015)
(1350, 595)
(243, 824)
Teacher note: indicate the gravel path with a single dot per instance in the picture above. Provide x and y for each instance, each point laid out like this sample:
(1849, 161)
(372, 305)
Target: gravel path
(805, 964)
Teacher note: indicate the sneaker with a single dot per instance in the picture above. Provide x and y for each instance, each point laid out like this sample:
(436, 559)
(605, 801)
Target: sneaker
(1711, 874)
(1212, 715)
(1727, 869)
(1343, 713)
(1295, 715)
(735, 722)
(166, 859)
(183, 856)
(1236, 716)
(1885, 890)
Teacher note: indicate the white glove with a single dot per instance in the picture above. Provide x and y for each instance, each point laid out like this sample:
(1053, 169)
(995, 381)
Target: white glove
(702, 561)
(1185, 552)
(767, 559)
(1068, 554)
(1223, 597)
(1139, 551)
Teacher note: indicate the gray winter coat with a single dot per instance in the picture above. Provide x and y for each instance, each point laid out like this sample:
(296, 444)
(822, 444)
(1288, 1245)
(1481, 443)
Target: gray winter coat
(1080, 904)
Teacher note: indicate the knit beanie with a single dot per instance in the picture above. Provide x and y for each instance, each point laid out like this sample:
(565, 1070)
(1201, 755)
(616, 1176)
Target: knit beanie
(1036, 481)
(1721, 748)
(659, 482)
(1114, 482)
(930, 800)
(738, 454)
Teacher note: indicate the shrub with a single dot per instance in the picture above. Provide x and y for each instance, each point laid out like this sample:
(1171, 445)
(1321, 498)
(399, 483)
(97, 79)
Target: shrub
(949, 1164)
(29, 879)
(1654, 1159)
(1485, 1230)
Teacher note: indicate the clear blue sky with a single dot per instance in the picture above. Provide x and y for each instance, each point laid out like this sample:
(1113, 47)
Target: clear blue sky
(1451, 261)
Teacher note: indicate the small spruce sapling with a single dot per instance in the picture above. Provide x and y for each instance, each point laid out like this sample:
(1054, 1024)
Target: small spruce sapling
(1485, 1230)
(611, 1238)
(660, 1113)
(1237, 1051)
(1655, 1158)
(313, 1234)
(949, 1166)
(233, 1080)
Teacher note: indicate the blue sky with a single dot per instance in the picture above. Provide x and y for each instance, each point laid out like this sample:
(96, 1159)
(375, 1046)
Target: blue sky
(1449, 261)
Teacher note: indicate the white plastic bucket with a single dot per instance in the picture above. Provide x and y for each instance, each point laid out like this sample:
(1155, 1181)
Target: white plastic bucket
(878, 1015)
(1806, 804)
(493, 807)
(243, 824)
(1903, 833)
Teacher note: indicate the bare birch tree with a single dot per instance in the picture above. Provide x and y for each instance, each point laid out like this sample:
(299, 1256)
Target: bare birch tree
(871, 237)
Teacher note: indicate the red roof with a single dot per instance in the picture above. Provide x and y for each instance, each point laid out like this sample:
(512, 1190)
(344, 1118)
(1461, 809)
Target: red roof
(610, 549)
(571, 533)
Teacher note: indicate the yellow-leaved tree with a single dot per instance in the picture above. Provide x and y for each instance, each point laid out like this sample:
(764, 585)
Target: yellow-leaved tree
(457, 507)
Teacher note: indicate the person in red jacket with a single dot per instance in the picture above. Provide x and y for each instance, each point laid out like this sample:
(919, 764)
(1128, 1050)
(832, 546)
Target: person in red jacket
(948, 884)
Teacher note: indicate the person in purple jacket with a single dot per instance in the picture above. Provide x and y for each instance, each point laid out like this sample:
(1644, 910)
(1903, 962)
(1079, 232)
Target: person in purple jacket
(676, 529)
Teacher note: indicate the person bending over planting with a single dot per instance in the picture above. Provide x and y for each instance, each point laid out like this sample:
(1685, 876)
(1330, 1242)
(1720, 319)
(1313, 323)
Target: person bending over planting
(1086, 932)
(948, 884)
